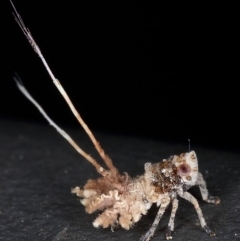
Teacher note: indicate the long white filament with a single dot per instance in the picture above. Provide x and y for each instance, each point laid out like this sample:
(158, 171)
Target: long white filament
(58, 129)
(34, 45)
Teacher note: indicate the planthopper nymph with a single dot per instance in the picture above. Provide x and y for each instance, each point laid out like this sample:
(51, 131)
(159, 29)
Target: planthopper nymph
(121, 199)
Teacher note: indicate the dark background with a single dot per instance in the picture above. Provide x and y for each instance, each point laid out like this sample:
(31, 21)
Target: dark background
(131, 67)
(145, 77)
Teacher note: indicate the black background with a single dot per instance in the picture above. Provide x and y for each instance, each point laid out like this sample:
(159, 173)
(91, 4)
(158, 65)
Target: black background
(143, 76)
(131, 67)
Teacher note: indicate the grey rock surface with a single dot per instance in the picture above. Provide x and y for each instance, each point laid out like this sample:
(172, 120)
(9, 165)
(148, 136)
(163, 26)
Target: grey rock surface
(38, 168)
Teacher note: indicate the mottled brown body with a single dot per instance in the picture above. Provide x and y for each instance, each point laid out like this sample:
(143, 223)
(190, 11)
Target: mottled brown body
(165, 177)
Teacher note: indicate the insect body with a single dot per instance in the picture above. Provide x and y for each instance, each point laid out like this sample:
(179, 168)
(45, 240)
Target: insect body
(125, 200)
(121, 198)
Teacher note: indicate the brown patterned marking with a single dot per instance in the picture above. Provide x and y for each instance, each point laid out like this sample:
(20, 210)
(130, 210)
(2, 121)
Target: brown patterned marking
(181, 159)
(193, 156)
(189, 178)
(164, 182)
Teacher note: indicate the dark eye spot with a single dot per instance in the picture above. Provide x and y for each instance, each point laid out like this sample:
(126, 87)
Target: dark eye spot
(184, 169)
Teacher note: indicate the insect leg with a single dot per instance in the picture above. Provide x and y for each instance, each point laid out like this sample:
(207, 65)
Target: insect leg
(161, 211)
(189, 197)
(172, 218)
(203, 189)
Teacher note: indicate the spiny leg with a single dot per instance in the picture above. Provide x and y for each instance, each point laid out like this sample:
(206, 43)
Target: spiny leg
(160, 212)
(172, 218)
(193, 200)
(204, 192)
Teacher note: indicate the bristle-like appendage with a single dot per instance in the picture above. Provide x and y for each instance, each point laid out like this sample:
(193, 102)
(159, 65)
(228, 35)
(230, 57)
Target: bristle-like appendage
(27, 33)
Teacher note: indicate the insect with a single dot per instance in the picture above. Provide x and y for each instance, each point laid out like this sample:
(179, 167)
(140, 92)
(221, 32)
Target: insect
(121, 199)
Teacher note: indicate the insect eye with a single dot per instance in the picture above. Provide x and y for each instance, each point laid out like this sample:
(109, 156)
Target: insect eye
(184, 169)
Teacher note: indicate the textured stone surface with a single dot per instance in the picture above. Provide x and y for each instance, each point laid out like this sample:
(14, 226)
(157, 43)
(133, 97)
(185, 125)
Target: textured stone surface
(38, 168)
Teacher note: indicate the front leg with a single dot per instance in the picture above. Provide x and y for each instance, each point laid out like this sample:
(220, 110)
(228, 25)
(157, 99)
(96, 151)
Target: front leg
(204, 192)
(172, 218)
(193, 200)
(160, 212)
